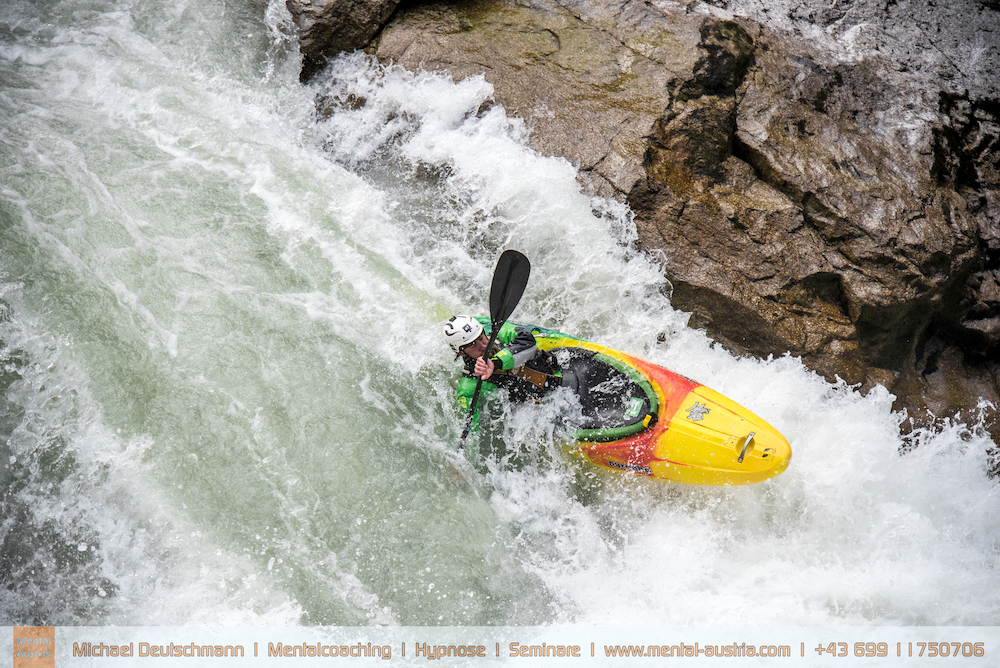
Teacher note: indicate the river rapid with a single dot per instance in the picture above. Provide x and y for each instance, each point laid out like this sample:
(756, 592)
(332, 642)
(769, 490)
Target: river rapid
(226, 399)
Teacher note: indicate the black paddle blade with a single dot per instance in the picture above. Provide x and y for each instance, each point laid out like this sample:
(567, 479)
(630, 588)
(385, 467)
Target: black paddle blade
(510, 277)
(509, 280)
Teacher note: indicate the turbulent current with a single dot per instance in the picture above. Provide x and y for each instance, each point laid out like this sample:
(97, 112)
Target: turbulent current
(225, 398)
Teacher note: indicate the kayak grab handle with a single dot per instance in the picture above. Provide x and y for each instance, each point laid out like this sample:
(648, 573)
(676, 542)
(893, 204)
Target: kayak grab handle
(747, 447)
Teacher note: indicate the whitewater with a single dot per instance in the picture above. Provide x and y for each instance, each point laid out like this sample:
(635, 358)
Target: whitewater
(226, 399)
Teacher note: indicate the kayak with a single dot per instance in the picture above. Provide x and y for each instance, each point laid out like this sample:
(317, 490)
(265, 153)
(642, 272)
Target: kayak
(643, 419)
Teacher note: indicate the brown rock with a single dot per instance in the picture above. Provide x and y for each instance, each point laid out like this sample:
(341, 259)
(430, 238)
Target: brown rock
(328, 27)
(588, 95)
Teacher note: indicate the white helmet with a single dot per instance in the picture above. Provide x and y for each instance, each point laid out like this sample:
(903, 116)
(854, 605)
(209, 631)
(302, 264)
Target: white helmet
(461, 330)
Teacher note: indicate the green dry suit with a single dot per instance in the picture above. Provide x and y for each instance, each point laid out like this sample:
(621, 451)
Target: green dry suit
(519, 367)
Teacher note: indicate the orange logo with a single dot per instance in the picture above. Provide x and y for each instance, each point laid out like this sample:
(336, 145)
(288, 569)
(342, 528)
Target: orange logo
(34, 647)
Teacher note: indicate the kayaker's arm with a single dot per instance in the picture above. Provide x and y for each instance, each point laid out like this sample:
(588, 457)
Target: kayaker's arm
(518, 347)
(466, 388)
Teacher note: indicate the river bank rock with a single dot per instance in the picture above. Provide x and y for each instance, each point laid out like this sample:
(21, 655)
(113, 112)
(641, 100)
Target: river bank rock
(329, 27)
(810, 194)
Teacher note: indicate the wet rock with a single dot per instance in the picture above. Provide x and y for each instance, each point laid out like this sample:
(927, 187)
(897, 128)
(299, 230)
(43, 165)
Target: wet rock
(328, 27)
(590, 90)
(836, 233)
(934, 44)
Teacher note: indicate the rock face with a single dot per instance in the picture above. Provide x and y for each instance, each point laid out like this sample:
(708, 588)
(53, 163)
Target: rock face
(809, 195)
(558, 71)
(328, 27)
(836, 243)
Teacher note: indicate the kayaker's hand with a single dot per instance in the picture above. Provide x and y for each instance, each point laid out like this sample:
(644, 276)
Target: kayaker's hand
(484, 368)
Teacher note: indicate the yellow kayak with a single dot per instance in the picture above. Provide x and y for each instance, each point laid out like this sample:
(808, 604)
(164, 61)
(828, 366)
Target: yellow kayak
(647, 420)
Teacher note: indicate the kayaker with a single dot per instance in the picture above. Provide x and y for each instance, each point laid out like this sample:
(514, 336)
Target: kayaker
(516, 364)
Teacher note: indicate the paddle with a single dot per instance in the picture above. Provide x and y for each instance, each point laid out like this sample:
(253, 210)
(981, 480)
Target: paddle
(509, 280)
